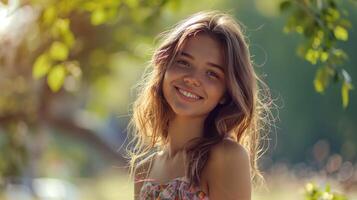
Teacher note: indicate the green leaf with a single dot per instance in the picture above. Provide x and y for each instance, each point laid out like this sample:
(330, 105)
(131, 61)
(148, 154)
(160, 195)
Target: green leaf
(312, 56)
(346, 87)
(62, 30)
(340, 33)
(63, 25)
(98, 17)
(49, 15)
(324, 56)
(56, 77)
(58, 51)
(332, 15)
(322, 78)
(68, 38)
(59, 27)
(316, 42)
(41, 66)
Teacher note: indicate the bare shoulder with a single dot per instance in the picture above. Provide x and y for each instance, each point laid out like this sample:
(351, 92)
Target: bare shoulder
(228, 149)
(228, 170)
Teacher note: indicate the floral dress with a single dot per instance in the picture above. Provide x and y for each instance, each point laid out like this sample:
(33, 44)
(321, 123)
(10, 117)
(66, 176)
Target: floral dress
(176, 189)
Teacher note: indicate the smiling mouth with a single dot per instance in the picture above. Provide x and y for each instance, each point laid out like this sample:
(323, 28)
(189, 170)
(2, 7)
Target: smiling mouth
(187, 94)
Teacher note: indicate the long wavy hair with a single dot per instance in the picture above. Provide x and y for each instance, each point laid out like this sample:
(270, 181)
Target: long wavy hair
(245, 115)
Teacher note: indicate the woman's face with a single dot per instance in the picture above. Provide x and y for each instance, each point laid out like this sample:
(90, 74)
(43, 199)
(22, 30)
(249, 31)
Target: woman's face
(195, 83)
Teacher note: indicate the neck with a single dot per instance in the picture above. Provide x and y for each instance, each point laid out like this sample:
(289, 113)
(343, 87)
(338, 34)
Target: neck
(180, 131)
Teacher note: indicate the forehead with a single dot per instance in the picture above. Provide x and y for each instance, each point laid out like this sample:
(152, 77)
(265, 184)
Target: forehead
(205, 48)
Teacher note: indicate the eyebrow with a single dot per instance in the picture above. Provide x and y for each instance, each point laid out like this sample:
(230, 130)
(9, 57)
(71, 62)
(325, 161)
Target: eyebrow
(185, 54)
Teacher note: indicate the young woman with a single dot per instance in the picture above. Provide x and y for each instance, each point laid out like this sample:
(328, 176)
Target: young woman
(198, 116)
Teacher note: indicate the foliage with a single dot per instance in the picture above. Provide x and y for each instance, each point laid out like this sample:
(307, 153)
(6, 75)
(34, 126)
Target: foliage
(312, 192)
(58, 60)
(56, 53)
(322, 23)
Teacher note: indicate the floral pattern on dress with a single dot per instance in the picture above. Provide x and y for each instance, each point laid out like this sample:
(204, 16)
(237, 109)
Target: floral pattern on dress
(176, 189)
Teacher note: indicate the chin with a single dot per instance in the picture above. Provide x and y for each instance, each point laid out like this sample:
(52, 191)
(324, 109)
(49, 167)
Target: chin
(189, 112)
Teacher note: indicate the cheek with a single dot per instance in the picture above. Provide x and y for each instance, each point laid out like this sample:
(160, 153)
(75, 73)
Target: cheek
(170, 73)
(175, 70)
(215, 90)
(169, 77)
(174, 73)
(165, 84)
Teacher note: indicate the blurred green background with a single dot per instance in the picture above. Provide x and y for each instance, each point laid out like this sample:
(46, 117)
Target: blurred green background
(67, 74)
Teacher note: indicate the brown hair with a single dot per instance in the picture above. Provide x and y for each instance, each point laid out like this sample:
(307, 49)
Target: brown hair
(244, 115)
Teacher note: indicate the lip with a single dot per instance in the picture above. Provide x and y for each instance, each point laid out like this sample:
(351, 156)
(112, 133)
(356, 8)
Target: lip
(187, 98)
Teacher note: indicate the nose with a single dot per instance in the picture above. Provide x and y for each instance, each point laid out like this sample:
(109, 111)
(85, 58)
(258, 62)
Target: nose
(192, 81)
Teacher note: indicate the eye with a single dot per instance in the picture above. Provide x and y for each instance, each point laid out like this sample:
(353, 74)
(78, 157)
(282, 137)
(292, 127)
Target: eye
(183, 63)
(212, 74)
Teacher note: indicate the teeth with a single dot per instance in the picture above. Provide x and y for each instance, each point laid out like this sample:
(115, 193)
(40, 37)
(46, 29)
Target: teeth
(188, 94)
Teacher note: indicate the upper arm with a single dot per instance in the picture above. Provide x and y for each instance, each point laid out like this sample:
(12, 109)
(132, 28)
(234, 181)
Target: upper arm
(229, 172)
(140, 174)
